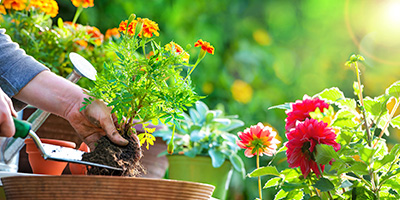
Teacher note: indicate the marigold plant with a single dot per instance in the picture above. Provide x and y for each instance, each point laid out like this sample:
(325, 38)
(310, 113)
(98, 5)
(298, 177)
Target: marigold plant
(147, 82)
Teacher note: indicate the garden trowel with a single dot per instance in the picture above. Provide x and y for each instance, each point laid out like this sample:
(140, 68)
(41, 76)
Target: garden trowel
(53, 152)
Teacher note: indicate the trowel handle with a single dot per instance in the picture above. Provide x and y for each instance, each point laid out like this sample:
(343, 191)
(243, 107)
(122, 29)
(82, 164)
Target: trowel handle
(22, 128)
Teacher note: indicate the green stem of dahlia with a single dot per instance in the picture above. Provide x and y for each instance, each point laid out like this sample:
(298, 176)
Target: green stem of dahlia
(360, 96)
(259, 178)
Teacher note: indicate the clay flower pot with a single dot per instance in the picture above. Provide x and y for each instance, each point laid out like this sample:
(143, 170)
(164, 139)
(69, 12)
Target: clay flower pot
(42, 166)
(102, 187)
(78, 169)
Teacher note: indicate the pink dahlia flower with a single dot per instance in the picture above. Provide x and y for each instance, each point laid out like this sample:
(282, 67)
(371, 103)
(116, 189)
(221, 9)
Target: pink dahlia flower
(301, 110)
(258, 138)
(301, 145)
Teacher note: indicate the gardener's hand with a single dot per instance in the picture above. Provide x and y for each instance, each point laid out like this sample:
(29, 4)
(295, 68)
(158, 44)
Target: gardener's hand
(63, 98)
(7, 111)
(96, 121)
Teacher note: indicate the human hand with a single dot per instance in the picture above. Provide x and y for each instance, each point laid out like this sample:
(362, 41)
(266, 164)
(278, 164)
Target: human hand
(7, 128)
(94, 122)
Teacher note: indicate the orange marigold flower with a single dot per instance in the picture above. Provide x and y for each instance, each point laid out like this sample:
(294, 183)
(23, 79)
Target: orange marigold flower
(122, 26)
(258, 139)
(15, 4)
(95, 34)
(112, 33)
(81, 43)
(178, 50)
(132, 27)
(149, 28)
(49, 7)
(83, 3)
(2, 10)
(205, 46)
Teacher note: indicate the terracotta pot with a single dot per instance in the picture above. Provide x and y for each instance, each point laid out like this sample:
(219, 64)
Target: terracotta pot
(42, 166)
(54, 127)
(78, 169)
(102, 187)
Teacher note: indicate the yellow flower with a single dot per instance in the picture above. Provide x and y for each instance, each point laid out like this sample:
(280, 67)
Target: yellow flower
(178, 50)
(149, 28)
(83, 3)
(242, 91)
(2, 10)
(15, 4)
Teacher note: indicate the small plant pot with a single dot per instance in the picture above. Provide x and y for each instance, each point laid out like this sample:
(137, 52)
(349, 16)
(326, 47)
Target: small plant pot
(79, 169)
(42, 166)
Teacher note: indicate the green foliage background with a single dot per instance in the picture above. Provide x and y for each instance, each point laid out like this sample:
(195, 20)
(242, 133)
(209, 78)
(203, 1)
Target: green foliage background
(309, 42)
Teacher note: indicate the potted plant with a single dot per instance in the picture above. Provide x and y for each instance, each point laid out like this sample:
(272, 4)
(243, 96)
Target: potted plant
(148, 82)
(204, 149)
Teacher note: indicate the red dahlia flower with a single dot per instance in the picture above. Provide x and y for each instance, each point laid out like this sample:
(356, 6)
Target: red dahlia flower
(301, 145)
(301, 110)
(258, 139)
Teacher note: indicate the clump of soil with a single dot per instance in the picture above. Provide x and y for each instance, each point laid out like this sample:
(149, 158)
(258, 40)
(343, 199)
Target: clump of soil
(108, 153)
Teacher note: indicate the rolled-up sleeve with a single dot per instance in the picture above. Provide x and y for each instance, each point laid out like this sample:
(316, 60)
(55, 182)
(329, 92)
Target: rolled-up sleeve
(16, 67)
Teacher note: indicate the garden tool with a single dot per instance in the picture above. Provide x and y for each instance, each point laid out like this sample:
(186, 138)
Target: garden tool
(53, 152)
(82, 68)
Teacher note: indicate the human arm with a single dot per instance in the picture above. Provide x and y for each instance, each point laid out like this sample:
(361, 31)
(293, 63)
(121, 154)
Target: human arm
(25, 79)
(57, 95)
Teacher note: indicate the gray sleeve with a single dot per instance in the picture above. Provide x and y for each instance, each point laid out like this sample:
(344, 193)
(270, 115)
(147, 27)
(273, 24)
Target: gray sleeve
(16, 67)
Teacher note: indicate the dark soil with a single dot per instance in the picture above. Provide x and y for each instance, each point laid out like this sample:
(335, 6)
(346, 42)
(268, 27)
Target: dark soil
(107, 153)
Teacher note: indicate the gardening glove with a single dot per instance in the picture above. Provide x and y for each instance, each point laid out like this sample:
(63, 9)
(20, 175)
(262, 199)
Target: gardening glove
(7, 111)
(96, 121)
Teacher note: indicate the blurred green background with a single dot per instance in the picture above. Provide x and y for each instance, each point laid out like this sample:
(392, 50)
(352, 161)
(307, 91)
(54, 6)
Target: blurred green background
(268, 52)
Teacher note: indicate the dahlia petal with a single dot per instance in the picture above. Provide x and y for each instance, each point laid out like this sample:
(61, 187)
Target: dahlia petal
(240, 144)
(248, 153)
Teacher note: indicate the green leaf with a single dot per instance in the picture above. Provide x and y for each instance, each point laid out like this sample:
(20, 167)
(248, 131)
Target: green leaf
(197, 135)
(235, 123)
(366, 153)
(357, 167)
(272, 182)
(293, 186)
(269, 170)
(201, 108)
(315, 198)
(325, 153)
(395, 122)
(331, 94)
(324, 185)
(334, 95)
(385, 160)
(238, 164)
(121, 56)
(286, 106)
(375, 106)
(345, 184)
(195, 116)
(217, 157)
(394, 90)
(281, 194)
(345, 118)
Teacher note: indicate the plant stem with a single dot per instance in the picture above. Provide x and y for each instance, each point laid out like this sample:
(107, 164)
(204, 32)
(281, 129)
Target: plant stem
(77, 13)
(259, 178)
(320, 171)
(360, 96)
(388, 121)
